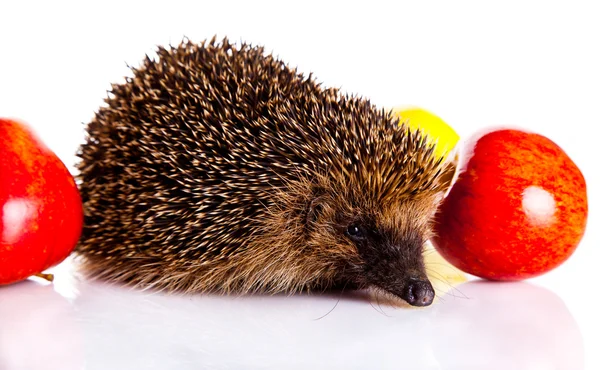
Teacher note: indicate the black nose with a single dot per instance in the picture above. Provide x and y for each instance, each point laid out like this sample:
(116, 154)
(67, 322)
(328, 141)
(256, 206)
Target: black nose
(418, 293)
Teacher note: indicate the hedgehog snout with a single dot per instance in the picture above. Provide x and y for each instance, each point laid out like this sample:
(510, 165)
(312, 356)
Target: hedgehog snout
(398, 269)
(418, 292)
(415, 289)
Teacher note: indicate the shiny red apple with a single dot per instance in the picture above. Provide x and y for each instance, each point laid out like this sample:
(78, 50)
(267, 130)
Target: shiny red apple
(517, 209)
(40, 208)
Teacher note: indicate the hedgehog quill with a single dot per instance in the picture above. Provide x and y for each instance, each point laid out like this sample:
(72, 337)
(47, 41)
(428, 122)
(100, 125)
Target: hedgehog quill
(218, 168)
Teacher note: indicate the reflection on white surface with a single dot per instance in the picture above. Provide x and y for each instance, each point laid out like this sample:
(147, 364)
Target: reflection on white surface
(499, 326)
(506, 326)
(38, 329)
(539, 205)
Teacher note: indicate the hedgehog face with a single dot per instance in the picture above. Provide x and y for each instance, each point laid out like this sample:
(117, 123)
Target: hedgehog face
(391, 246)
(387, 243)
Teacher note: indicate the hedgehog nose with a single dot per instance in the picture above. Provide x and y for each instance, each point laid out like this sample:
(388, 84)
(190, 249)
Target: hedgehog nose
(418, 292)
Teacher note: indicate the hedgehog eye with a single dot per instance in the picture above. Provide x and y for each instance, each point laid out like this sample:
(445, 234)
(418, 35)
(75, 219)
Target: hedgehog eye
(356, 231)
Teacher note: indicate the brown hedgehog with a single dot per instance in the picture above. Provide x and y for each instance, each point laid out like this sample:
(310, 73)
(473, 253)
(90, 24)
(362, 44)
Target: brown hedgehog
(218, 168)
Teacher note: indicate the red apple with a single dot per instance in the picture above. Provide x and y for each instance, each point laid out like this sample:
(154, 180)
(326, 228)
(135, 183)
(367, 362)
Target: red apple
(40, 209)
(517, 209)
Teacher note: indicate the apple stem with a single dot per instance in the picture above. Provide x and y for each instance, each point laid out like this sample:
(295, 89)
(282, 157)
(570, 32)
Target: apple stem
(49, 277)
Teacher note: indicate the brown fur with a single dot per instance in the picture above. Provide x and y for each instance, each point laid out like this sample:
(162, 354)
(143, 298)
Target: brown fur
(219, 169)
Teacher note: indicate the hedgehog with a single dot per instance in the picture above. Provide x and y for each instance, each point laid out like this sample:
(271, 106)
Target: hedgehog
(217, 168)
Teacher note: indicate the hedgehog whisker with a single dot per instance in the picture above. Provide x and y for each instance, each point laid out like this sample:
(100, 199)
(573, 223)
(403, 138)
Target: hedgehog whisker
(379, 303)
(336, 303)
(453, 288)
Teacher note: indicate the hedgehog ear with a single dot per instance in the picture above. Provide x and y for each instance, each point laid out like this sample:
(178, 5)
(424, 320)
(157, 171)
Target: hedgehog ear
(315, 209)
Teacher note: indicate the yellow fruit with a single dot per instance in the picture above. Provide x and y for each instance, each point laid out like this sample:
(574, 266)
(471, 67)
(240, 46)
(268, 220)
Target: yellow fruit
(441, 273)
(438, 131)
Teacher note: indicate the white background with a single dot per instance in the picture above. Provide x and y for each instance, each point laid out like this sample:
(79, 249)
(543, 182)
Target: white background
(534, 65)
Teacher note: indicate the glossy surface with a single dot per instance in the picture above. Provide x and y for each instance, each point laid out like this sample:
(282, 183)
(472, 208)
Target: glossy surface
(76, 324)
(40, 208)
(517, 210)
